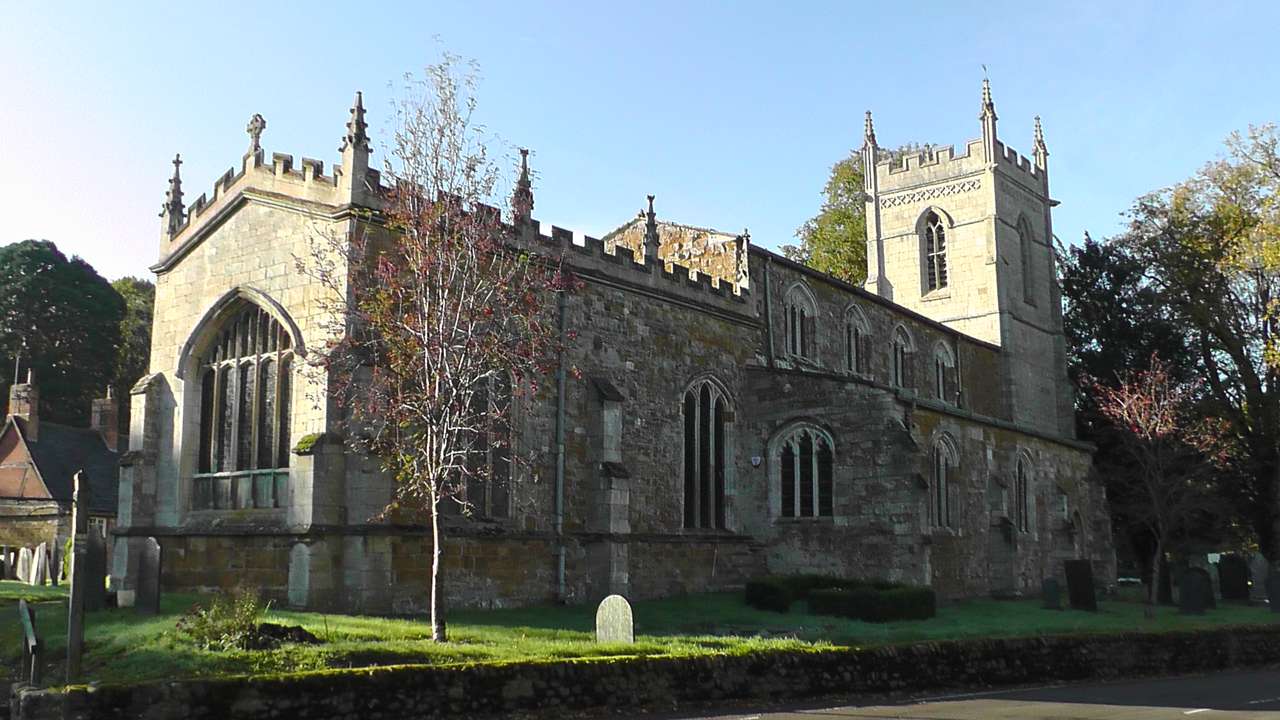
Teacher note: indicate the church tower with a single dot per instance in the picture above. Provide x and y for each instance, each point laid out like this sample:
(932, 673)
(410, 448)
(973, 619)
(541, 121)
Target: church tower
(967, 239)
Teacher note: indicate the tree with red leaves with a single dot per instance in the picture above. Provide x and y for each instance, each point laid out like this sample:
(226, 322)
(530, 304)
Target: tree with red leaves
(440, 317)
(1169, 455)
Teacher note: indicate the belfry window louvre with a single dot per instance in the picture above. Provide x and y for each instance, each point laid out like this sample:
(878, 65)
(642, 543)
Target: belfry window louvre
(706, 411)
(805, 460)
(245, 389)
(935, 251)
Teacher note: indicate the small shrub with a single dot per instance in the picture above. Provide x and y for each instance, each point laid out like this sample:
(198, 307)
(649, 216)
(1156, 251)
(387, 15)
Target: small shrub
(229, 623)
(802, 585)
(869, 604)
(770, 593)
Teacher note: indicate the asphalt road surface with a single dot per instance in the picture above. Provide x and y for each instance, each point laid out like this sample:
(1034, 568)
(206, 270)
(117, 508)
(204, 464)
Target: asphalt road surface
(1222, 696)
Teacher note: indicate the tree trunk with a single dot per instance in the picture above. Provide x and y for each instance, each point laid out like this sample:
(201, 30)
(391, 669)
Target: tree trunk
(438, 633)
(1154, 590)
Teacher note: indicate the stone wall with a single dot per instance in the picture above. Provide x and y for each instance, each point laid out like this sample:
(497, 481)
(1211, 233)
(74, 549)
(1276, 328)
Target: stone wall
(553, 688)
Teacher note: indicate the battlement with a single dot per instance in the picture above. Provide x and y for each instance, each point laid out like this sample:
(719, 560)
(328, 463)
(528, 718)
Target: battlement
(934, 164)
(1011, 159)
(594, 255)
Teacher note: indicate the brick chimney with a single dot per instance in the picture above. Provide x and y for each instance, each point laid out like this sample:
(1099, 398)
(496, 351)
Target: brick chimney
(105, 418)
(24, 402)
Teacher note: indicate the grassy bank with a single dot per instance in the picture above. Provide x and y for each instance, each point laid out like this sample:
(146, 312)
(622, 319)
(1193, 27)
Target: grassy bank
(123, 647)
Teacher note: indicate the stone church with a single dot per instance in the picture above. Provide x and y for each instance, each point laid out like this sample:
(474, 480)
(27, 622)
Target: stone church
(736, 413)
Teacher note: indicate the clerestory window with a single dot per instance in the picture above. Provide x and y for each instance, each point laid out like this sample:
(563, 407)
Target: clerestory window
(900, 361)
(804, 460)
(801, 326)
(935, 251)
(855, 340)
(1022, 495)
(245, 391)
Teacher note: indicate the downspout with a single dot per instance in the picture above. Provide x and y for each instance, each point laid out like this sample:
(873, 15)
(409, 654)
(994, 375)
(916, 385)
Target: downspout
(559, 500)
(768, 310)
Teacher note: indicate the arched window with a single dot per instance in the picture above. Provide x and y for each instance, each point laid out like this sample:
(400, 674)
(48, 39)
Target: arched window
(489, 459)
(855, 340)
(245, 390)
(942, 495)
(706, 411)
(1022, 495)
(1026, 247)
(944, 379)
(804, 458)
(800, 323)
(900, 362)
(935, 251)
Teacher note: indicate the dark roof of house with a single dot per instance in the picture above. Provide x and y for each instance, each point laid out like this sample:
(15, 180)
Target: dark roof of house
(60, 451)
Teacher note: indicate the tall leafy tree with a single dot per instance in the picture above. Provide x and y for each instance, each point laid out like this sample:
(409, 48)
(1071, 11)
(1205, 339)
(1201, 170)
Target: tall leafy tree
(133, 357)
(60, 318)
(835, 240)
(1211, 248)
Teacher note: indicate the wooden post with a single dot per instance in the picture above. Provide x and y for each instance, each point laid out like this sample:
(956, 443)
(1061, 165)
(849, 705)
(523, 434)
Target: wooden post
(75, 604)
(31, 648)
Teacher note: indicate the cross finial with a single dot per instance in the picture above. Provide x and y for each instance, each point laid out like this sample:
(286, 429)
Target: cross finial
(522, 198)
(256, 125)
(173, 210)
(357, 136)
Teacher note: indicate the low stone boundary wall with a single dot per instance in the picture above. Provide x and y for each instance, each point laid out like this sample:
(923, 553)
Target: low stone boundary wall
(413, 691)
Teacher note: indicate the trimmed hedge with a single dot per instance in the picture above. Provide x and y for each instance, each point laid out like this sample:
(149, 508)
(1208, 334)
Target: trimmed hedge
(869, 600)
(869, 604)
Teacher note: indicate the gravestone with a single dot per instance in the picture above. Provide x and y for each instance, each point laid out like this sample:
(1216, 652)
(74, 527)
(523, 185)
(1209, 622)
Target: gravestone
(1233, 577)
(24, 565)
(1080, 592)
(55, 565)
(1051, 591)
(1273, 591)
(147, 600)
(1259, 571)
(614, 622)
(1194, 592)
(39, 565)
(4, 562)
(95, 567)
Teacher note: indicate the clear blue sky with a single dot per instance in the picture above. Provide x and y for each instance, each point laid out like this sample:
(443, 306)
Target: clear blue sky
(731, 113)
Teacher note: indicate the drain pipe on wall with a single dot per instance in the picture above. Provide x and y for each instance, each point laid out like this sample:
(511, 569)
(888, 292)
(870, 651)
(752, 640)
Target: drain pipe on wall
(559, 501)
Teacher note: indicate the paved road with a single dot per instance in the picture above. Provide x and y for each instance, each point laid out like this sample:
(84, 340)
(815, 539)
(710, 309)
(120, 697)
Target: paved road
(1222, 696)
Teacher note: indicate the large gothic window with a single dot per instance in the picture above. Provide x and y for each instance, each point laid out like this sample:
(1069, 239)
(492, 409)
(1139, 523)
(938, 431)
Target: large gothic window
(935, 251)
(804, 460)
(706, 411)
(245, 390)
(489, 461)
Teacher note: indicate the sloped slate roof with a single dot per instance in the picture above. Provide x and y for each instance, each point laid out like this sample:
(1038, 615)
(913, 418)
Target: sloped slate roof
(61, 451)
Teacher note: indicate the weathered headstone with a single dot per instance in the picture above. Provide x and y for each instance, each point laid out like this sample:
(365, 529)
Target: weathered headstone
(24, 565)
(1273, 591)
(95, 567)
(614, 621)
(4, 562)
(1194, 592)
(1233, 577)
(32, 648)
(55, 565)
(1259, 571)
(40, 565)
(1051, 592)
(1080, 592)
(147, 599)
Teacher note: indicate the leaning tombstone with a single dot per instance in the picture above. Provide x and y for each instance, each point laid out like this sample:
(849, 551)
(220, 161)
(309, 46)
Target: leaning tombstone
(1080, 592)
(95, 567)
(1051, 592)
(614, 623)
(1233, 577)
(1273, 591)
(39, 564)
(147, 599)
(32, 664)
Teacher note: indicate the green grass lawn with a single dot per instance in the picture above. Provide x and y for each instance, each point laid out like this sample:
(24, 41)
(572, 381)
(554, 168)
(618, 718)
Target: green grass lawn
(124, 647)
(11, 591)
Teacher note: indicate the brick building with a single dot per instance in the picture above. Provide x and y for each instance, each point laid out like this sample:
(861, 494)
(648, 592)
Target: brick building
(737, 413)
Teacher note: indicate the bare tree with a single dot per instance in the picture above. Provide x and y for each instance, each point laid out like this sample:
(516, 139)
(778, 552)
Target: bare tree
(1168, 458)
(439, 317)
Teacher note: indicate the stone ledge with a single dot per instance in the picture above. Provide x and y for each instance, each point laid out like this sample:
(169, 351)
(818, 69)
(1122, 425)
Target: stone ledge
(499, 689)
